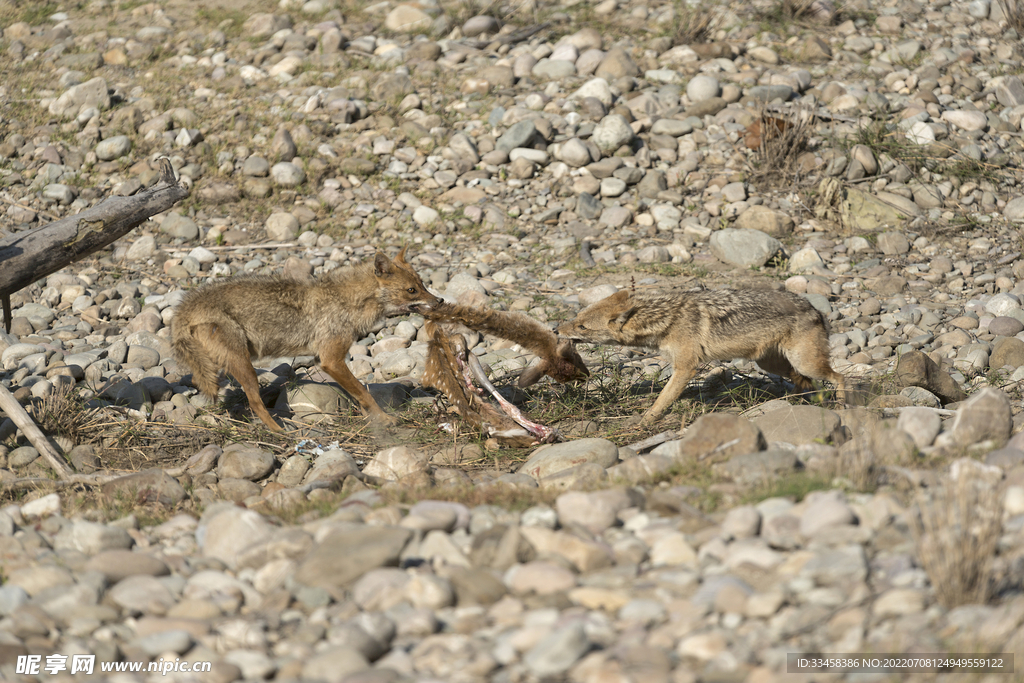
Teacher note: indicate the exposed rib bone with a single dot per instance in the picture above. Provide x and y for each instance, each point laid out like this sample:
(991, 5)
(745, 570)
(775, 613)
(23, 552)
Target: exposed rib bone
(543, 433)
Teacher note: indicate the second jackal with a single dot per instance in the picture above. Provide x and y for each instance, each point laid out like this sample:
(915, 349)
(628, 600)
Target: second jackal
(224, 325)
(780, 331)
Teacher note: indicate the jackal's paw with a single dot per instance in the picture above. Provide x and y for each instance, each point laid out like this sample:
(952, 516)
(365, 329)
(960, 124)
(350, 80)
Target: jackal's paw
(649, 419)
(273, 425)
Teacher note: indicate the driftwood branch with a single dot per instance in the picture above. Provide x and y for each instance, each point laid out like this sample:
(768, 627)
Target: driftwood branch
(510, 38)
(31, 255)
(652, 441)
(21, 418)
(74, 480)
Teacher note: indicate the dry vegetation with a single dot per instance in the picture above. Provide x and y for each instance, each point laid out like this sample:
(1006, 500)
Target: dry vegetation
(608, 405)
(778, 144)
(957, 530)
(693, 23)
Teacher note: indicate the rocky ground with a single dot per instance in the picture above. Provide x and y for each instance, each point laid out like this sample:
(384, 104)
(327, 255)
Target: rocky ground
(534, 156)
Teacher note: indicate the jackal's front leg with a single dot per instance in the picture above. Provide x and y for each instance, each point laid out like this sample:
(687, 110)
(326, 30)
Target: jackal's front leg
(683, 370)
(332, 360)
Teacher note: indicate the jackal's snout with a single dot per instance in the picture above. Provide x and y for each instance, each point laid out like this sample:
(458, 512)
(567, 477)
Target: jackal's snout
(429, 303)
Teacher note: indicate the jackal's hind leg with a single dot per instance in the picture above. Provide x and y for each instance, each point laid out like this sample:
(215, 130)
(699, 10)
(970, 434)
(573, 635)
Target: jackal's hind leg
(230, 351)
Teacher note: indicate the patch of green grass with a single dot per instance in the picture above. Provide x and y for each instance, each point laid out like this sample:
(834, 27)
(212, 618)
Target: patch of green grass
(691, 473)
(582, 14)
(794, 486)
(33, 14)
(848, 12)
(129, 5)
(749, 393)
(459, 12)
(229, 21)
(881, 139)
(122, 504)
(1000, 379)
(609, 395)
(785, 16)
(968, 170)
(381, 181)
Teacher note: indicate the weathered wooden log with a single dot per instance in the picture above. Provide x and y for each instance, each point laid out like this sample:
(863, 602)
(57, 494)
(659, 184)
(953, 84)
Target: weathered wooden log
(28, 483)
(28, 256)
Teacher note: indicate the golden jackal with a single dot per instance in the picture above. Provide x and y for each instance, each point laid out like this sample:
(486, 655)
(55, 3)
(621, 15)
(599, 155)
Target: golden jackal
(780, 331)
(224, 325)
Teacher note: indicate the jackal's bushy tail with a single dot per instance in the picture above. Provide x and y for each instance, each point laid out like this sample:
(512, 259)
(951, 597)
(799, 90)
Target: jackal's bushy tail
(190, 351)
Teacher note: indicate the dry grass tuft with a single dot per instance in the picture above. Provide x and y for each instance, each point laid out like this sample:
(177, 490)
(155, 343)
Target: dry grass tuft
(1014, 14)
(63, 413)
(796, 10)
(778, 143)
(801, 12)
(692, 24)
(857, 466)
(956, 532)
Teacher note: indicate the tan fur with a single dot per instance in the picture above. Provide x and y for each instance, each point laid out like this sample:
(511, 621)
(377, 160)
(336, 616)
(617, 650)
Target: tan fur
(445, 354)
(441, 369)
(224, 325)
(780, 331)
(558, 359)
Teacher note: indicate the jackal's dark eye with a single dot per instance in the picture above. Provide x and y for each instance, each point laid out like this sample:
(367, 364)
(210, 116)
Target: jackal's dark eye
(411, 290)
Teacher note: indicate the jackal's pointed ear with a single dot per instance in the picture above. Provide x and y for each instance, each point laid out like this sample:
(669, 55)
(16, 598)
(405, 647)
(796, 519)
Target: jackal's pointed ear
(382, 265)
(619, 298)
(619, 309)
(618, 319)
(400, 259)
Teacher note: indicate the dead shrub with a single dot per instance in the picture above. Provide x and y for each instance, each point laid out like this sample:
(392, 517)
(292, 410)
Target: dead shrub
(783, 13)
(795, 10)
(692, 24)
(63, 413)
(1013, 12)
(778, 141)
(857, 465)
(956, 532)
